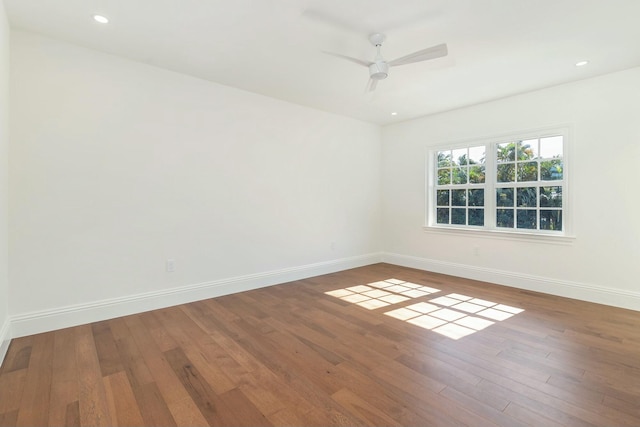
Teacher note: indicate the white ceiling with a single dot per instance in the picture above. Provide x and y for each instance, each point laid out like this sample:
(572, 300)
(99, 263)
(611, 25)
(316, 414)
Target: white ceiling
(275, 47)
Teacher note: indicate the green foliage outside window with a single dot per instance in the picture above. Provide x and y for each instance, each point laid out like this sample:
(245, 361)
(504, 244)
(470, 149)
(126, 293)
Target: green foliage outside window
(528, 181)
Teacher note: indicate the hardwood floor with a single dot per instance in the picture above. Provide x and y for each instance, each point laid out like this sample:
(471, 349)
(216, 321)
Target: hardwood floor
(421, 350)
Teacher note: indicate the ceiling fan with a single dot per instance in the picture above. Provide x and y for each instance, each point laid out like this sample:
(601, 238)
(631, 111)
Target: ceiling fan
(379, 68)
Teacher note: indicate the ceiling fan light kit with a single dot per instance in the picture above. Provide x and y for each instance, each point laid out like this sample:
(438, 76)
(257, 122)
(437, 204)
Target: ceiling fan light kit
(378, 70)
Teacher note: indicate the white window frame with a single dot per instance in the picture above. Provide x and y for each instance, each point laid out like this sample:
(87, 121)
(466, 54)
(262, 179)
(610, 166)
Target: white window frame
(490, 229)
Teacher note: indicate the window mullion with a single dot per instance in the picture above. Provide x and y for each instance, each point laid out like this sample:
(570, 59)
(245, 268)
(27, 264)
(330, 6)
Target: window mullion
(490, 191)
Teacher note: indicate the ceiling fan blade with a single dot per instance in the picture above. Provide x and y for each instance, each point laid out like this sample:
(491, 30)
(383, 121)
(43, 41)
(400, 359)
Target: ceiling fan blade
(371, 86)
(348, 58)
(433, 52)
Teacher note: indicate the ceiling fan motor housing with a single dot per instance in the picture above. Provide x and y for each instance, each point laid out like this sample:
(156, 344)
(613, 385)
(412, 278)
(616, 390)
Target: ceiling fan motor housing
(379, 70)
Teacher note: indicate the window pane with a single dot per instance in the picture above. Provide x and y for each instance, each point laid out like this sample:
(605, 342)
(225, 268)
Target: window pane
(443, 197)
(460, 175)
(528, 171)
(476, 216)
(444, 176)
(532, 146)
(506, 173)
(527, 149)
(550, 196)
(476, 155)
(444, 158)
(551, 147)
(527, 197)
(459, 216)
(476, 197)
(551, 170)
(550, 220)
(506, 152)
(476, 175)
(504, 218)
(504, 197)
(460, 156)
(527, 219)
(459, 198)
(442, 216)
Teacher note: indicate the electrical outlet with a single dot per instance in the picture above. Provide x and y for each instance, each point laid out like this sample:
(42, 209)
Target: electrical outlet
(171, 265)
(476, 250)
(333, 246)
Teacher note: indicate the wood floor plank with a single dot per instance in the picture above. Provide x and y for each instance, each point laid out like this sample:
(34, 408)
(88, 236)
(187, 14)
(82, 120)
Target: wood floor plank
(529, 417)
(363, 409)
(64, 384)
(287, 417)
(93, 409)
(237, 352)
(486, 407)
(243, 409)
(624, 406)
(160, 336)
(324, 409)
(11, 387)
(436, 369)
(573, 390)
(154, 410)
(272, 393)
(477, 364)
(18, 355)
(107, 350)
(548, 406)
(294, 354)
(539, 364)
(186, 413)
(380, 394)
(265, 400)
(212, 350)
(167, 382)
(471, 394)
(72, 415)
(187, 333)
(214, 410)
(130, 354)
(9, 419)
(34, 405)
(596, 362)
(125, 410)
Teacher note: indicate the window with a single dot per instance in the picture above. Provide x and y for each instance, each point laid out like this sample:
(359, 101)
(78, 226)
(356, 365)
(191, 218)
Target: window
(515, 184)
(461, 177)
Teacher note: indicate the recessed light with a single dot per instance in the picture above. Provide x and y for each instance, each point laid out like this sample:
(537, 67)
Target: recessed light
(394, 113)
(581, 63)
(101, 19)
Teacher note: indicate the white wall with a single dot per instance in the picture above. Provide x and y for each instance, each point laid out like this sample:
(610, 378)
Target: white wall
(117, 166)
(4, 142)
(603, 263)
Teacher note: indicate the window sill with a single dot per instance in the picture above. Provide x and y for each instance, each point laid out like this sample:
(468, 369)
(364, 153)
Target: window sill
(502, 235)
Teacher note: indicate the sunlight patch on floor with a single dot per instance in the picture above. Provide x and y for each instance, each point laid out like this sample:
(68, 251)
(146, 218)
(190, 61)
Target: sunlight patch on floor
(451, 315)
(383, 293)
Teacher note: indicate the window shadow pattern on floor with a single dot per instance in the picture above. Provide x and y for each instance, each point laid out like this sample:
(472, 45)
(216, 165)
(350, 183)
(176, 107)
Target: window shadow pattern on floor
(453, 315)
(382, 294)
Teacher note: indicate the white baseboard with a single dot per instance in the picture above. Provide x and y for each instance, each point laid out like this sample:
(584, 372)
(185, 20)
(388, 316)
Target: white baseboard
(5, 339)
(79, 314)
(581, 291)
